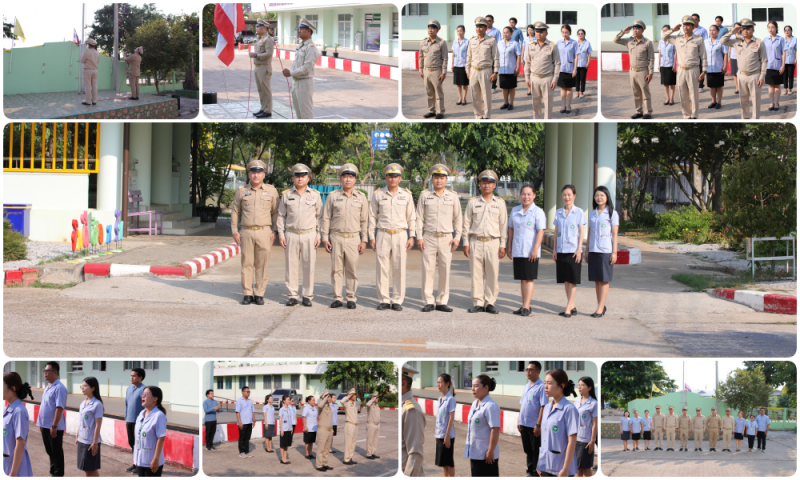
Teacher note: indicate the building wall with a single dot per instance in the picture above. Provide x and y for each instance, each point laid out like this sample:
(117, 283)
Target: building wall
(692, 399)
(308, 372)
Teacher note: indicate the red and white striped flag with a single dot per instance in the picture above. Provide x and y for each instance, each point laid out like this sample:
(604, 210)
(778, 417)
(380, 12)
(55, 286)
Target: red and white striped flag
(75, 39)
(229, 20)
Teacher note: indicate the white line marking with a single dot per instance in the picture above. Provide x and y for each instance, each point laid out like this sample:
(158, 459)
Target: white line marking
(383, 344)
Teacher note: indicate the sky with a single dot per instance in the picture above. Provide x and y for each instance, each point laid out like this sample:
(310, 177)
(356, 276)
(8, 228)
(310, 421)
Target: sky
(56, 24)
(700, 374)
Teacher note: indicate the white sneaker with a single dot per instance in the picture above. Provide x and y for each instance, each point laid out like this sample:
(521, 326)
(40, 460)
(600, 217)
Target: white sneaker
(702, 90)
(494, 90)
(248, 454)
(242, 455)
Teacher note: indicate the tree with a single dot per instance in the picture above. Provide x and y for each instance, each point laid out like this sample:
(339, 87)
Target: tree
(191, 24)
(209, 29)
(778, 374)
(365, 376)
(631, 380)
(8, 29)
(745, 390)
(167, 47)
(130, 18)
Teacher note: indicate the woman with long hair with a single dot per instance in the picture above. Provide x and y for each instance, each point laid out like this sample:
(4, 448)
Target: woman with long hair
(560, 424)
(88, 439)
(625, 429)
(584, 55)
(444, 431)
(483, 430)
(310, 424)
(738, 431)
(510, 54)
(286, 430)
(790, 61)
(776, 64)
(588, 412)
(567, 50)
(603, 244)
(460, 78)
(531, 37)
(569, 224)
(526, 225)
(16, 423)
(269, 423)
(151, 432)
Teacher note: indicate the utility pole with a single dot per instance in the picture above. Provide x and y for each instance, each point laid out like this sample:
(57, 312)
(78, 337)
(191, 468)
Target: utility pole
(716, 383)
(83, 47)
(683, 396)
(115, 64)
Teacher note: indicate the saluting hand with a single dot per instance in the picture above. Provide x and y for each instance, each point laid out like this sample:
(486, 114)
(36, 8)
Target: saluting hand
(409, 244)
(237, 237)
(327, 245)
(676, 27)
(362, 247)
(737, 30)
(628, 29)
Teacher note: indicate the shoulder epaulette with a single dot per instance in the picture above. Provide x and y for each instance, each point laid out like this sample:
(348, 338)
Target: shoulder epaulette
(241, 187)
(409, 405)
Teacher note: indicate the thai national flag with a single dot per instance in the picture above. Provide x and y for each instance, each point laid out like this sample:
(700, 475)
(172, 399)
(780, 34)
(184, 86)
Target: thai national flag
(229, 20)
(686, 387)
(75, 39)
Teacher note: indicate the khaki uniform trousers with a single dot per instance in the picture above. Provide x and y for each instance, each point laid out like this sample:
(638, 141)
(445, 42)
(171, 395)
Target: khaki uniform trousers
(350, 433)
(344, 263)
(300, 249)
(390, 250)
(641, 92)
(670, 437)
(324, 439)
(657, 435)
(436, 249)
(481, 91)
(540, 92)
(727, 433)
(134, 81)
(690, 91)
(303, 97)
(90, 85)
(713, 436)
(749, 89)
(263, 79)
(373, 430)
(255, 249)
(483, 261)
(684, 438)
(698, 438)
(433, 87)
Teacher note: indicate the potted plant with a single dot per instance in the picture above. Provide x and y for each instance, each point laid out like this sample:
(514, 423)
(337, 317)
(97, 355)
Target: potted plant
(336, 50)
(324, 50)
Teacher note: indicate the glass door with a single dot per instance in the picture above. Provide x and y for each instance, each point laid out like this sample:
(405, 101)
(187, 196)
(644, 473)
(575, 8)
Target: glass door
(345, 27)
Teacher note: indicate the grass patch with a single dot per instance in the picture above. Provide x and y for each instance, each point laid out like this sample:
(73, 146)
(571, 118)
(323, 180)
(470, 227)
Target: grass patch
(699, 282)
(57, 259)
(38, 284)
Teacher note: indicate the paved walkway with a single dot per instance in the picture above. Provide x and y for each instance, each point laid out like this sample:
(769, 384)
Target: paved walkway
(66, 104)
(360, 56)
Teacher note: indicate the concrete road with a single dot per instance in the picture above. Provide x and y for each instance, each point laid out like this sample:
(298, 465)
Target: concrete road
(113, 460)
(617, 98)
(415, 101)
(649, 315)
(337, 94)
(225, 461)
(780, 460)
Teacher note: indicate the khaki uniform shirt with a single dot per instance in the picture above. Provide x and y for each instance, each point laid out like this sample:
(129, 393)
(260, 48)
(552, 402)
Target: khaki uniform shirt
(728, 423)
(691, 52)
(299, 212)
(392, 212)
(685, 423)
(641, 53)
(672, 421)
(90, 59)
(486, 219)
(413, 423)
(714, 421)
(432, 53)
(264, 49)
(259, 207)
(350, 412)
(325, 415)
(134, 62)
(541, 60)
(373, 411)
(305, 57)
(482, 54)
(699, 422)
(751, 57)
(345, 214)
(439, 214)
(659, 420)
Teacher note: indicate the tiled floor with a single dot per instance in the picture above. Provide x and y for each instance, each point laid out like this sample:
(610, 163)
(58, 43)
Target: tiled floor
(239, 110)
(66, 104)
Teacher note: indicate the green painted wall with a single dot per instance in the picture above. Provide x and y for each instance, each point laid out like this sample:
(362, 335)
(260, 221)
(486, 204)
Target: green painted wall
(692, 399)
(416, 27)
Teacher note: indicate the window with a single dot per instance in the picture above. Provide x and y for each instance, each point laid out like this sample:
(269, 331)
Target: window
(576, 366)
(77, 366)
(493, 366)
(220, 383)
(267, 382)
(517, 366)
(456, 9)
(551, 365)
(295, 382)
(150, 365)
(277, 382)
(415, 10)
(131, 365)
(441, 367)
(395, 26)
(662, 9)
(617, 10)
(251, 380)
(242, 382)
(228, 383)
(555, 17)
(99, 366)
(766, 14)
(605, 11)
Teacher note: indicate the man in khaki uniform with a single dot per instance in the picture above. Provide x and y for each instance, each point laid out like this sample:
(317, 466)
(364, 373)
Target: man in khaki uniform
(433, 68)
(659, 423)
(691, 51)
(345, 220)
(326, 409)
(439, 233)
(413, 424)
(298, 232)
(258, 205)
(642, 59)
(392, 214)
(90, 60)
(713, 425)
(485, 232)
(728, 424)
(262, 60)
(670, 425)
(698, 427)
(302, 72)
(483, 63)
(751, 55)
(351, 427)
(373, 425)
(542, 64)
(134, 62)
(684, 427)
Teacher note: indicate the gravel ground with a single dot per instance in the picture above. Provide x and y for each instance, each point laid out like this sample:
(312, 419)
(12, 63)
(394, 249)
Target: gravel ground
(784, 286)
(707, 252)
(38, 251)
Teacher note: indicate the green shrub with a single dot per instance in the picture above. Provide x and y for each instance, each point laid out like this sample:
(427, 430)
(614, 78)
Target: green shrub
(539, 200)
(227, 197)
(14, 246)
(644, 219)
(416, 190)
(686, 224)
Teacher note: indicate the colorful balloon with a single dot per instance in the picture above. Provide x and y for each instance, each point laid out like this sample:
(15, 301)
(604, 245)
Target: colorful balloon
(85, 228)
(94, 232)
(74, 235)
(117, 231)
(108, 234)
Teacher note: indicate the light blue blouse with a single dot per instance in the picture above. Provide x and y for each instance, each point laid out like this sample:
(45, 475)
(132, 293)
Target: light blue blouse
(567, 51)
(460, 52)
(584, 52)
(715, 53)
(775, 50)
(508, 53)
(666, 54)
(791, 50)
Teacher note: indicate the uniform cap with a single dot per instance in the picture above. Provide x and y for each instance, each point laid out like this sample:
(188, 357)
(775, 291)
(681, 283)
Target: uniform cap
(91, 41)
(262, 23)
(409, 371)
(299, 168)
(434, 23)
(684, 408)
(348, 168)
(488, 175)
(351, 392)
(640, 24)
(688, 20)
(658, 406)
(257, 164)
(540, 26)
(440, 169)
(305, 23)
(481, 21)
(746, 22)
(393, 169)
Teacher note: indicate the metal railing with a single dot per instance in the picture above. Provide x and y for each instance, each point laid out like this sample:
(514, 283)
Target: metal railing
(751, 253)
(26, 159)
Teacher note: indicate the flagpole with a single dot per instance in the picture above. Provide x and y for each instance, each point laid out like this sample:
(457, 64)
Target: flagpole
(83, 45)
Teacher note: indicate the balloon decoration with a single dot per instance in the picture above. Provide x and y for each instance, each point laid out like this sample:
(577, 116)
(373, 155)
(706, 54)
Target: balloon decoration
(74, 236)
(90, 232)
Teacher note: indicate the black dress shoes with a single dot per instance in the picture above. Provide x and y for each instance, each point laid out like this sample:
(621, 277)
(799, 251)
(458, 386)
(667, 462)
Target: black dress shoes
(336, 304)
(247, 300)
(306, 302)
(427, 308)
(396, 307)
(383, 306)
(444, 308)
(439, 116)
(476, 309)
(292, 302)
(351, 306)
(491, 309)
(638, 115)
(259, 300)
(429, 115)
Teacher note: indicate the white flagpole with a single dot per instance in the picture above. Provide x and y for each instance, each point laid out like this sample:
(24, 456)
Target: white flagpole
(82, 47)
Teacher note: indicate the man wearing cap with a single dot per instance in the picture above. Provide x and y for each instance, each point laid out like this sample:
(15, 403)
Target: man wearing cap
(542, 60)
(698, 428)
(90, 60)
(728, 424)
(134, 62)
(258, 205)
(433, 68)
(262, 59)
(439, 232)
(691, 51)
(659, 422)
(345, 220)
(713, 425)
(326, 409)
(485, 231)
(351, 427)
(671, 424)
(751, 57)
(413, 424)
(684, 427)
(642, 59)
(373, 425)
(392, 214)
(302, 71)
(483, 63)
(298, 232)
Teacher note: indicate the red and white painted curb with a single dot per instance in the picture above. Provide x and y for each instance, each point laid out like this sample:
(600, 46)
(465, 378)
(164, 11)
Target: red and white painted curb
(188, 269)
(409, 60)
(625, 256)
(758, 301)
(197, 265)
(508, 418)
(23, 276)
(365, 68)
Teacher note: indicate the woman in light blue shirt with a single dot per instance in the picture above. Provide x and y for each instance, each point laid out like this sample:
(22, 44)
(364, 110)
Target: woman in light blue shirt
(268, 424)
(625, 429)
(751, 429)
(587, 406)
(16, 424)
(603, 244)
(584, 54)
(646, 430)
(510, 54)
(531, 37)
(790, 60)
(150, 432)
(526, 226)
(286, 429)
(444, 431)
(460, 79)
(667, 67)
(738, 430)
(310, 425)
(776, 59)
(717, 55)
(91, 420)
(568, 251)
(559, 428)
(568, 51)
(636, 429)
(483, 430)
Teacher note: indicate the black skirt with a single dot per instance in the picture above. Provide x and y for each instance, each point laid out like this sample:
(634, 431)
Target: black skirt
(460, 76)
(86, 461)
(567, 270)
(636, 436)
(646, 435)
(508, 81)
(738, 436)
(444, 455)
(584, 459)
(524, 269)
(479, 468)
(566, 80)
(668, 76)
(286, 439)
(734, 66)
(269, 431)
(715, 80)
(600, 267)
(625, 436)
(774, 77)
(309, 437)
(335, 429)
